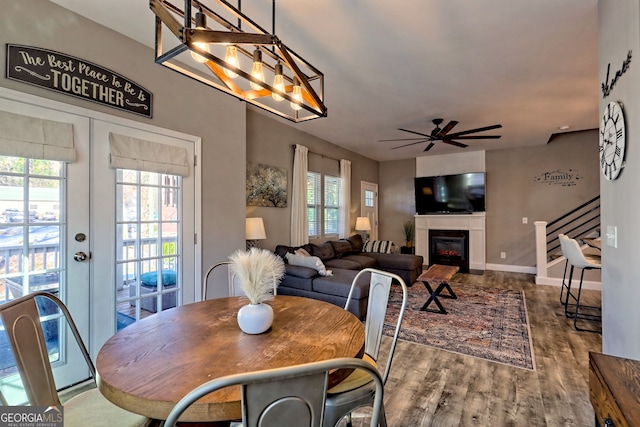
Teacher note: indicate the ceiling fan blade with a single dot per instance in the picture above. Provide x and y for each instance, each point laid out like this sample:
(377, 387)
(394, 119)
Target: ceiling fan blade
(466, 132)
(445, 130)
(458, 144)
(400, 139)
(476, 137)
(413, 143)
(430, 146)
(417, 133)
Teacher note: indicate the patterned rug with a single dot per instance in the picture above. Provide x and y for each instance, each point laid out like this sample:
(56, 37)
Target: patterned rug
(487, 323)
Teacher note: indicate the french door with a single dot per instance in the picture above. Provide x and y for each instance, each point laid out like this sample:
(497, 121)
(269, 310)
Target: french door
(45, 211)
(97, 236)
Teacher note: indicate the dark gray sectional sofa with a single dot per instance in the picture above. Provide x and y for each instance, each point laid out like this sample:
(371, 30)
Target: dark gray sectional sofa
(344, 258)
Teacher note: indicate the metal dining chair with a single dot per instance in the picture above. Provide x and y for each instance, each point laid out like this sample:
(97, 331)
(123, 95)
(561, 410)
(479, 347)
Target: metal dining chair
(358, 390)
(26, 336)
(292, 396)
(578, 259)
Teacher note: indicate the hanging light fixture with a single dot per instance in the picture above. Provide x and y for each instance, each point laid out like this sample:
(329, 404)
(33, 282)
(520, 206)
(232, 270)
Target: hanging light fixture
(256, 69)
(278, 82)
(231, 58)
(297, 95)
(242, 59)
(201, 24)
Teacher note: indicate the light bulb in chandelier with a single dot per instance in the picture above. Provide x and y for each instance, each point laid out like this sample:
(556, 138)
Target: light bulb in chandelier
(201, 24)
(278, 82)
(231, 58)
(256, 70)
(297, 94)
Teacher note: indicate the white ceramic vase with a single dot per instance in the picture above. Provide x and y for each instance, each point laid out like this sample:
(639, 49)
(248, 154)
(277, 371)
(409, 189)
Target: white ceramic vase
(255, 318)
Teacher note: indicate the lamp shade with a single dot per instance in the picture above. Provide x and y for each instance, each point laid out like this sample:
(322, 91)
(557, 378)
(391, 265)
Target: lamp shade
(363, 224)
(254, 229)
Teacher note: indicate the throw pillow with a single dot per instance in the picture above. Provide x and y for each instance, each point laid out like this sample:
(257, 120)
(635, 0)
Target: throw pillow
(341, 248)
(382, 246)
(356, 243)
(310, 262)
(302, 252)
(324, 251)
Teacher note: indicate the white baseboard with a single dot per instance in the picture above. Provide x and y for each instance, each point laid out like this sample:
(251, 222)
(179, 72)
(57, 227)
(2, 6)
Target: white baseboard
(557, 281)
(511, 268)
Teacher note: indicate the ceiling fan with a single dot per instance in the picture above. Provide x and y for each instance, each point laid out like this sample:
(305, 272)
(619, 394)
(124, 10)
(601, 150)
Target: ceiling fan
(443, 135)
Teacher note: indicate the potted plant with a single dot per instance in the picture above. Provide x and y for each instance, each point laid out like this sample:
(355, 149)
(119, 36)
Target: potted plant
(258, 272)
(408, 229)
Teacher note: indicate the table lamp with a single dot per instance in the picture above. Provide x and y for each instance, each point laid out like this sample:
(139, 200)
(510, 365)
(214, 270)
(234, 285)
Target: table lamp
(363, 225)
(254, 230)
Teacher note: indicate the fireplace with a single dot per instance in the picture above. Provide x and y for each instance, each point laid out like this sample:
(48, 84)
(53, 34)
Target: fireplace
(449, 247)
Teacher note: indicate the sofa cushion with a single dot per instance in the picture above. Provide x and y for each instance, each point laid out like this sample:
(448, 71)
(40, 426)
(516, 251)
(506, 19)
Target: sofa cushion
(356, 243)
(343, 263)
(362, 259)
(340, 284)
(307, 261)
(150, 279)
(341, 247)
(324, 251)
(382, 246)
(299, 271)
(397, 261)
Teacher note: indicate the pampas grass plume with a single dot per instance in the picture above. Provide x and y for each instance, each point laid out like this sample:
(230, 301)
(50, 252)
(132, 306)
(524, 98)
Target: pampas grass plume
(258, 270)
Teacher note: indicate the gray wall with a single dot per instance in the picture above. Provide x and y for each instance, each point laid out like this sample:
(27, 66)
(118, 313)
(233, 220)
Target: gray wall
(619, 33)
(269, 142)
(180, 104)
(516, 188)
(397, 203)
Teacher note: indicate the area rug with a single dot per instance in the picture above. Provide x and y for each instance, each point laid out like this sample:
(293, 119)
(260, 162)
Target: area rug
(487, 323)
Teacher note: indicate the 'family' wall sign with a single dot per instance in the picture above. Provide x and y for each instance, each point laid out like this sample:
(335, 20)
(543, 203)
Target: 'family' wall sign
(76, 77)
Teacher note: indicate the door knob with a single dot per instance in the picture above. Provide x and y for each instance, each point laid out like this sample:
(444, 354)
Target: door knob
(80, 256)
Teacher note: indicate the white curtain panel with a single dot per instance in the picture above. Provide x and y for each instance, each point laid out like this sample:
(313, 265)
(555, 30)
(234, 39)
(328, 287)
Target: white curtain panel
(299, 226)
(24, 136)
(345, 198)
(139, 154)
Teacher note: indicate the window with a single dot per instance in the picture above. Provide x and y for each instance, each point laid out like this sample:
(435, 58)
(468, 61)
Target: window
(323, 205)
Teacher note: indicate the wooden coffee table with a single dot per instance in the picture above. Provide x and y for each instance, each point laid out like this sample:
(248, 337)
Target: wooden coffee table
(440, 274)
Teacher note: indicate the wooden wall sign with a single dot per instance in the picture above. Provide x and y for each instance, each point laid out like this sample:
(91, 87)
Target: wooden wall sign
(76, 77)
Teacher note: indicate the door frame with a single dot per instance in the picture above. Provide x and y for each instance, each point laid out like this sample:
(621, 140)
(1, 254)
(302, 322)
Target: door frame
(371, 213)
(190, 294)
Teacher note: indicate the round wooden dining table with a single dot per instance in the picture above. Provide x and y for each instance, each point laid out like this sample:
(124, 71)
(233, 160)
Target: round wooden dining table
(151, 364)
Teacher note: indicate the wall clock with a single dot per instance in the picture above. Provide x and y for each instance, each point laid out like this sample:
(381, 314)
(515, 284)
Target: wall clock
(612, 140)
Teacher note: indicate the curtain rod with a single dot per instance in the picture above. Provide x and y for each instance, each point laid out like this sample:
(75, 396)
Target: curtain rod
(317, 154)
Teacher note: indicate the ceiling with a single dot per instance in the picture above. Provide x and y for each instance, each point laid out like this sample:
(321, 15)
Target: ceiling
(531, 66)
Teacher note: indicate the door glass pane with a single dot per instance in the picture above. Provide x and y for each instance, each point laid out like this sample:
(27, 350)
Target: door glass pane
(30, 250)
(368, 198)
(148, 242)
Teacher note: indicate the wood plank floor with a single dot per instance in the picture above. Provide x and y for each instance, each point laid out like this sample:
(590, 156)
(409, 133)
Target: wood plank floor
(431, 387)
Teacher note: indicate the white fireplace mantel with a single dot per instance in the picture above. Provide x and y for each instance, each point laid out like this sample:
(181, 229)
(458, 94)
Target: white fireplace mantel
(474, 223)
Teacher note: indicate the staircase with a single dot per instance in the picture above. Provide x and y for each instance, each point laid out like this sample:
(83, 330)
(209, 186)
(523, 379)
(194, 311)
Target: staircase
(580, 223)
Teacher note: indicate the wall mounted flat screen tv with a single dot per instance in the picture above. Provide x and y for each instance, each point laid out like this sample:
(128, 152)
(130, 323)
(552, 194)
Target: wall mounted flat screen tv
(450, 194)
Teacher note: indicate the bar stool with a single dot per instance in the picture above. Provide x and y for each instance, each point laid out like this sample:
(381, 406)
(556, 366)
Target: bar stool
(577, 259)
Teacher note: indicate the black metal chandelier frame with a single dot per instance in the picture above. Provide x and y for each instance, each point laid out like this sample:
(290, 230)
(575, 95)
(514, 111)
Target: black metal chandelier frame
(190, 35)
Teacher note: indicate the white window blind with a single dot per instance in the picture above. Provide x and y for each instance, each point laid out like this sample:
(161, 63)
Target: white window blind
(331, 205)
(313, 203)
(139, 154)
(34, 138)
